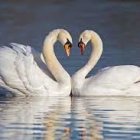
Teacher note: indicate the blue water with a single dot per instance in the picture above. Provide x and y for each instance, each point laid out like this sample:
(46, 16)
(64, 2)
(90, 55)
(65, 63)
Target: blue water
(118, 23)
(65, 118)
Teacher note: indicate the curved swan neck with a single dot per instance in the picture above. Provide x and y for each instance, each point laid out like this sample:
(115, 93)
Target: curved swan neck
(97, 48)
(50, 58)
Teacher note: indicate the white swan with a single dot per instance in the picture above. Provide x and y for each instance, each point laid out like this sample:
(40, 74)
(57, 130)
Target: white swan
(21, 74)
(117, 80)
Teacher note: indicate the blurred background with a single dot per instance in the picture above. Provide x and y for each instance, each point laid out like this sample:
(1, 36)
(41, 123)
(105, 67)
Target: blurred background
(117, 22)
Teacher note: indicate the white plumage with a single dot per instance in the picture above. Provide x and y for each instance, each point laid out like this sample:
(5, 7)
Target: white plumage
(123, 80)
(24, 73)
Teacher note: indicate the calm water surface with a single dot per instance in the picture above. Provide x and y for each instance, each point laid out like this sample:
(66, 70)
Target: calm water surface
(65, 118)
(107, 118)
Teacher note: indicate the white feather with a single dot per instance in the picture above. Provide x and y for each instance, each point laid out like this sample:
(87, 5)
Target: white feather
(121, 80)
(22, 70)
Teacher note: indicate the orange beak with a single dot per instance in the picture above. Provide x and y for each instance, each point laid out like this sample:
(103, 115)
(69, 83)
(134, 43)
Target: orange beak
(67, 48)
(82, 47)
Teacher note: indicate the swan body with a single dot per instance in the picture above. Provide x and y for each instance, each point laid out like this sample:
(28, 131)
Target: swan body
(24, 73)
(123, 80)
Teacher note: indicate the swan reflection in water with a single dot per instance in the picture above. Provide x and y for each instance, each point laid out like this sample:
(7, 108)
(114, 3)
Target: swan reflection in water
(33, 117)
(106, 117)
(69, 118)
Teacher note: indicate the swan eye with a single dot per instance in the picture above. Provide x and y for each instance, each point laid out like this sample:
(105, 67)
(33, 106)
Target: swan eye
(68, 43)
(81, 44)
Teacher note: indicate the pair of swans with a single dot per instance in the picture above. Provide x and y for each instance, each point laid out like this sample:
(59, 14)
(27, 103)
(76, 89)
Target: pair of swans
(23, 72)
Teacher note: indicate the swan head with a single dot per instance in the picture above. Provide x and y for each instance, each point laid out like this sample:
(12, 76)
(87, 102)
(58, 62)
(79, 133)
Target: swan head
(65, 38)
(83, 40)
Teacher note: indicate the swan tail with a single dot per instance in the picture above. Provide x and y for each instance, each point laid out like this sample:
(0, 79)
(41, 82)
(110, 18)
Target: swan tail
(23, 62)
(26, 67)
(13, 69)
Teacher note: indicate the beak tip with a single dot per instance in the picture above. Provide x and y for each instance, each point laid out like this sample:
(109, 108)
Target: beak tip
(68, 54)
